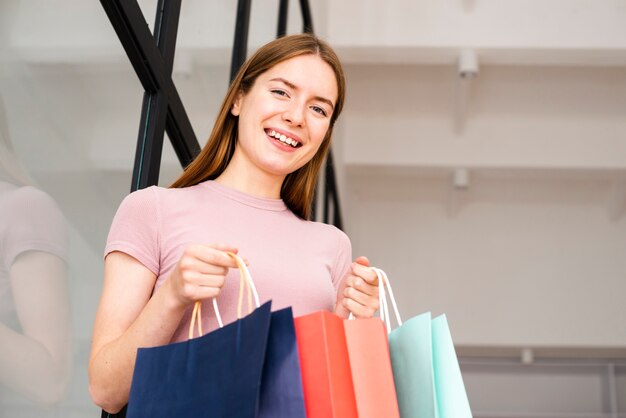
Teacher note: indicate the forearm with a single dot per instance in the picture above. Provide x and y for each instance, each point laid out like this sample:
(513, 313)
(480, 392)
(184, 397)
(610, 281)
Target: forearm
(111, 367)
(30, 368)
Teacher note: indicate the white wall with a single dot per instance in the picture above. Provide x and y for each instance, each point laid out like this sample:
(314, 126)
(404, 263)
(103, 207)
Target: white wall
(531, 254)
(524, 262)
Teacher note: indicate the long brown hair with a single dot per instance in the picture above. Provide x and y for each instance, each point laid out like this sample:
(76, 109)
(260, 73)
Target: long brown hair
(298, 187)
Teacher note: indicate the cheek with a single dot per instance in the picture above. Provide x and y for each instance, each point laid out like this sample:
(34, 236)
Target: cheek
(320, 131)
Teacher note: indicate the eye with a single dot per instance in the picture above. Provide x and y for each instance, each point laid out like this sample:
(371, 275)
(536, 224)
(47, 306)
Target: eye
(319, 110)
(280, 92)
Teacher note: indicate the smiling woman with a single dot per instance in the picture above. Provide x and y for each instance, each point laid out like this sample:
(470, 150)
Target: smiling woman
(294, 100)
(249, 191)
(297, 187)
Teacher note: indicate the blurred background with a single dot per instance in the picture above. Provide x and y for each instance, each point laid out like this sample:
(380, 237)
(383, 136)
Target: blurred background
(480, 160)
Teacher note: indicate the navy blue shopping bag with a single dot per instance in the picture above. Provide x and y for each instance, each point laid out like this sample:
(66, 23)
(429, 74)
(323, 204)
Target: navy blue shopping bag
(247, 369)
(281, 385)
(217, 375)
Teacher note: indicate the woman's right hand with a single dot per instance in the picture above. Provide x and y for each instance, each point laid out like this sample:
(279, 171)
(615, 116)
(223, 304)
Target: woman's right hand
(201, 271)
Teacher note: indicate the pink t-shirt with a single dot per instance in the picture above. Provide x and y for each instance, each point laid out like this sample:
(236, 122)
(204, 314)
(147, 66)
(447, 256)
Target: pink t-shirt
(293, 262)
(29, 221)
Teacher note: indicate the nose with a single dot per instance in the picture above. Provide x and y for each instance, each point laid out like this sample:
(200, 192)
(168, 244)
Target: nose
(294, 114)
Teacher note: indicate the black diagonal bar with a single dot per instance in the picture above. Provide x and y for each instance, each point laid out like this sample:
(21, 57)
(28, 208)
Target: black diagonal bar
(150, 141)
(154, 110)
(240, 45)
(331, 192)
(152, 58)
(139, 44)
(307, 20)
(283, 10)
(166, 30)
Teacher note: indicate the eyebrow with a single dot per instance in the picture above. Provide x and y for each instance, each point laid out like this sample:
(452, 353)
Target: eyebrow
(294, 87)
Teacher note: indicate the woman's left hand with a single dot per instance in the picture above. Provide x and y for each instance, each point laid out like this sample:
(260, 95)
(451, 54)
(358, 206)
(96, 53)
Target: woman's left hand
(359, 293)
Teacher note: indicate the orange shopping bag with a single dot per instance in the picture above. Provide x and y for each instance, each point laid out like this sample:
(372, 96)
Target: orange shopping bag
(326, 375)
(346, 368)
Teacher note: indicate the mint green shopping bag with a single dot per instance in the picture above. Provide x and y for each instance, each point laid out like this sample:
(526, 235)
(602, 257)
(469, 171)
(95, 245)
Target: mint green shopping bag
(451, 396)
(426, 370)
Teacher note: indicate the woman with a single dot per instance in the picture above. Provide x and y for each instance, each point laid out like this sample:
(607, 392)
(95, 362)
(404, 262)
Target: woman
(249, 191)
(35, 333)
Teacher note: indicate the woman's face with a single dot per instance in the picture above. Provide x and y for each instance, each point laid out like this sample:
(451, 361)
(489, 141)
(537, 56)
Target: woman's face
(284, 117)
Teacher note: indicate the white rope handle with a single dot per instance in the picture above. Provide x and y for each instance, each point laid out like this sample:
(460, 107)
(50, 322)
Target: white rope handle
(382, 299)
(384, 288)
(245, 282)
(386, 284)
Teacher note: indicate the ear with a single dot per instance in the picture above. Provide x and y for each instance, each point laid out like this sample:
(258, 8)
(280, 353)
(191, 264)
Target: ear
(235, 110)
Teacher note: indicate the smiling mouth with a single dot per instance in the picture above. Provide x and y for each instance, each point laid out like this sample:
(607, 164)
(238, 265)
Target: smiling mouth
(283, 138)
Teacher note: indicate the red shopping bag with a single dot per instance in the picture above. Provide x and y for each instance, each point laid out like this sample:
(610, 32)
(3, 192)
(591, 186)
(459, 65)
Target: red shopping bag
(346, 368)
(370, 363)
(326, 375)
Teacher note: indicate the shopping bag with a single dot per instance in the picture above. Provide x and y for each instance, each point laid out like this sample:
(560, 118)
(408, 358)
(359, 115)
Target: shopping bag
(426, 370)
(326, 374)
(370, 365)
(281, 383)
(229, 372)
(346, 369)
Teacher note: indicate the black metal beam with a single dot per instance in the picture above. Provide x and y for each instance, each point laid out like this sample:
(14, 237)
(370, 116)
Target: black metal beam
(139, 44)
(150, 141)
(152, 57)
(283, 11)
(240, 44)
(331, 192)
(307, 20)
(166, 31)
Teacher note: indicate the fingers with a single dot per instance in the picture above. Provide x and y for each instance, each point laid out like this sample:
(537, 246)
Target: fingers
(203, 287)
(201, 271)
(361, 285)
(364, 272)
(360, 310)
(213, 254)
(196, 265)
(362, 260)
(360, 295)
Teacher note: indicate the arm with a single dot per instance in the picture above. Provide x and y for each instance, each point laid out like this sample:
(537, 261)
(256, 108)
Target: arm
(128, 317)
(37, 362)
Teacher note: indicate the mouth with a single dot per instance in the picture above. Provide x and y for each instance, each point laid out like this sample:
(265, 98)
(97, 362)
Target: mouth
(283, 139)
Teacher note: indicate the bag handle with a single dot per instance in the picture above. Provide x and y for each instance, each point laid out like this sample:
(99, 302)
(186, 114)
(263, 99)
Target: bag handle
(245, 281)
(384, 287)
(384, 284)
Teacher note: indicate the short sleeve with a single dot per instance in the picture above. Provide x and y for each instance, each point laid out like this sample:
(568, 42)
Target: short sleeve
(343, 260)
(136, 228)
(35, 223)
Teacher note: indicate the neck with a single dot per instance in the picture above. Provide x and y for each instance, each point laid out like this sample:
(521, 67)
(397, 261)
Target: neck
(250, 180)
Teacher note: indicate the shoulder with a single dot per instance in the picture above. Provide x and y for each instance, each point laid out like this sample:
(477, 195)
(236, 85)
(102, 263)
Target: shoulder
(32, 220)
(329, 233)
(31, 204)
(147, 196)
(151, 204)
(151, 200)
(29, 196)
(137, 210)
(165, 195)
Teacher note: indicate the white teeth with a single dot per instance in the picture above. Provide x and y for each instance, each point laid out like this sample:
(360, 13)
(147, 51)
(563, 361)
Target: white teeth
(283, 138)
